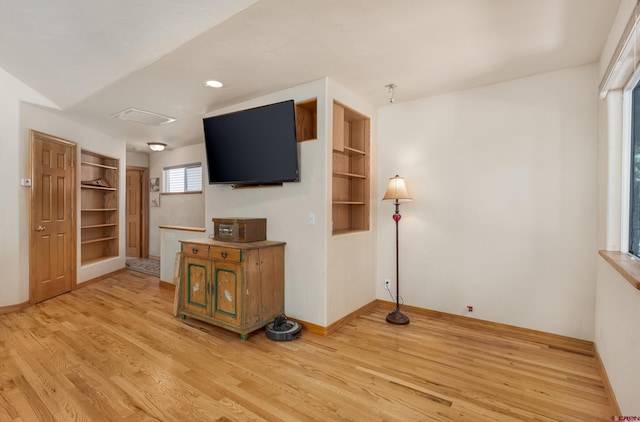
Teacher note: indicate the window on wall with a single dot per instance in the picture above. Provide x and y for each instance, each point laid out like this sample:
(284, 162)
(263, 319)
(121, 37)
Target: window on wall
(183, 179)
(634, 173)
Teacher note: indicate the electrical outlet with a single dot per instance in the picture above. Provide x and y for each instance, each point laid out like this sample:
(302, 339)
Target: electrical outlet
(387, 283)
(469, 308)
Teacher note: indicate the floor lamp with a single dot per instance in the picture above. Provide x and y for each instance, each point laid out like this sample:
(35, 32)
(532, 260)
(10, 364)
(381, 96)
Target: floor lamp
(397, 191)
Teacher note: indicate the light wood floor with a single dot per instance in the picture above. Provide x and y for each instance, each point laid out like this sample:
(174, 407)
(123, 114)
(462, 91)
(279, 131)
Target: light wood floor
(112, 351)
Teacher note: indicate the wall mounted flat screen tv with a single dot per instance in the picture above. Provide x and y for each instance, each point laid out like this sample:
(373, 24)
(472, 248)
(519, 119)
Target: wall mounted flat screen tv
(256, 146)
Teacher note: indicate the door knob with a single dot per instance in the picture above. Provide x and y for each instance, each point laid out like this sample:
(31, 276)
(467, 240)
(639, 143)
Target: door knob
(40, 229)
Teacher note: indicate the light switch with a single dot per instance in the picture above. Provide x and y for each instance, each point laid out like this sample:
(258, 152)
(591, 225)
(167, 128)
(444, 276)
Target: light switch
(312, 219)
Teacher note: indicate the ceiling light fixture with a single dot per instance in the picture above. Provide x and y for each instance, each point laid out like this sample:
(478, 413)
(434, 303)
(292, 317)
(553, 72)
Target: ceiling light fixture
(392, 92)
(214, 84)
(156, 146)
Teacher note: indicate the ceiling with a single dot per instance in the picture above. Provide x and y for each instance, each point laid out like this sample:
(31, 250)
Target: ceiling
(96, 58)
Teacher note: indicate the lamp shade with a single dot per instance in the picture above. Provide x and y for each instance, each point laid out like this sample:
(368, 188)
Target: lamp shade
(397, 190)
(156, 146)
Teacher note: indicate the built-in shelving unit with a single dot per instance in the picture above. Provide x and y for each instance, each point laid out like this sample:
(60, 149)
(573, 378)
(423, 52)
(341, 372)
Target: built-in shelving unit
(98, 207)
(350, 175)
(307, 120)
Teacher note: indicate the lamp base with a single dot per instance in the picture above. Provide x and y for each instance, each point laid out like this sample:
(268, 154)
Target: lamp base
(398, 318)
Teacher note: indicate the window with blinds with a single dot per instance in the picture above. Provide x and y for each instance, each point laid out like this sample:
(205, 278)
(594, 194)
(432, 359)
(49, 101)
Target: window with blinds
(183, 179)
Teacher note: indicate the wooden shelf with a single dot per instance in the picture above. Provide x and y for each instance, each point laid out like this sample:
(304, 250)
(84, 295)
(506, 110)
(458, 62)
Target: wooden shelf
(343, 174)
(97, 187)
(101, 239)
(307, 120)
(96, 260)
(89, 163)
(353, 151)
(97, 226)
(99, 207)
(346, 231)
(350, 174)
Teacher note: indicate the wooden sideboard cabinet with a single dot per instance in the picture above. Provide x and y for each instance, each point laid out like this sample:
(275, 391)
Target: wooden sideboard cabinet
(237, 286)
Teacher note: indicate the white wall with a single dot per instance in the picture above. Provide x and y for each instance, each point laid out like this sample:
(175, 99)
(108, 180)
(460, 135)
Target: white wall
(504, 185)
(55, 124)
(617, 337)
(170, 246)
(176, 210)
(14, 242)
(137, 159)
(287, 208)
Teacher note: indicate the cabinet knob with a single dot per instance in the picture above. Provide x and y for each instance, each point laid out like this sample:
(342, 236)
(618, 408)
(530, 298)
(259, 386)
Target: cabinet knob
(223, 254)
(194, 250)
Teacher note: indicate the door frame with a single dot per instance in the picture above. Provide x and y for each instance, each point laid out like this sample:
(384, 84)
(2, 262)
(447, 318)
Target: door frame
(144, 209)
(74, 209)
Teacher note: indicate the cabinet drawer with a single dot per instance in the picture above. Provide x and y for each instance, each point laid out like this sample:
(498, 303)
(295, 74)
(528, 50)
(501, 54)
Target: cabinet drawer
(195, 249)
(225, 254)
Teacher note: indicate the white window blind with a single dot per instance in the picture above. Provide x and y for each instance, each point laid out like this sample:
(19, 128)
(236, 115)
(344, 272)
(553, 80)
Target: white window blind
(183, 179)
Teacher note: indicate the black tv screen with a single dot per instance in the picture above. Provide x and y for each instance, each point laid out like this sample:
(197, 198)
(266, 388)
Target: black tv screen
(253, 147)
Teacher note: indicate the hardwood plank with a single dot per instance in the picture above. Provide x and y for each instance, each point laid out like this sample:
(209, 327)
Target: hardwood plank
(113, 351)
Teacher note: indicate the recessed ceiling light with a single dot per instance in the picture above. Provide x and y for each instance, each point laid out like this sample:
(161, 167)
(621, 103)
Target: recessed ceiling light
(213, 84)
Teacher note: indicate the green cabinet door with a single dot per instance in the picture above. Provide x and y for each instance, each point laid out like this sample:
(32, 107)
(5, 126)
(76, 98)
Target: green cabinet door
(195, 296)
(227, 290)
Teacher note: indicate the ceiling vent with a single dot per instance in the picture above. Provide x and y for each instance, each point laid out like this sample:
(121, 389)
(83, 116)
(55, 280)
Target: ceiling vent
(144, 117)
